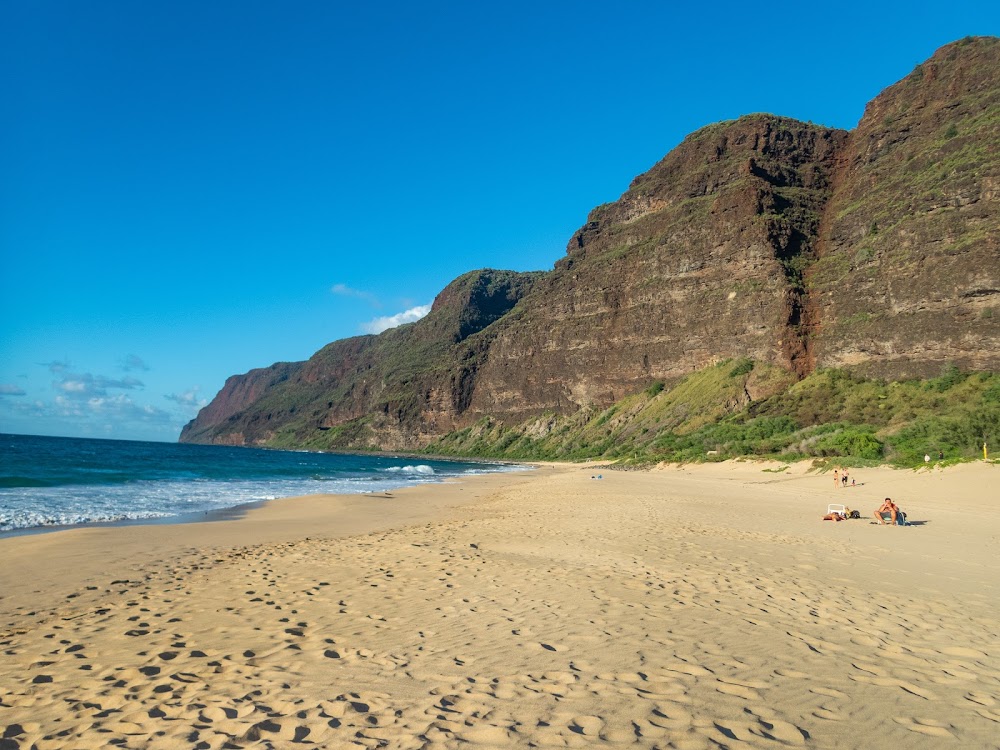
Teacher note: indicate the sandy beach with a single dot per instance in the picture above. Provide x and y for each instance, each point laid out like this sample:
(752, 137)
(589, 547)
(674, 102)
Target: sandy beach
(681, 607)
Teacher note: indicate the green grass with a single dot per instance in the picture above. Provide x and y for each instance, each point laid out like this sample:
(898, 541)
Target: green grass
(707, 416)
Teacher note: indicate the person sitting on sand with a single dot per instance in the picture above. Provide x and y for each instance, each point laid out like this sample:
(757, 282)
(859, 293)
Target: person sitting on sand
(887, 507)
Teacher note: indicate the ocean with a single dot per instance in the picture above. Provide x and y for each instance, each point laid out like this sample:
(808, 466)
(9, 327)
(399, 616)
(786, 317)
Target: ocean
(56, 482)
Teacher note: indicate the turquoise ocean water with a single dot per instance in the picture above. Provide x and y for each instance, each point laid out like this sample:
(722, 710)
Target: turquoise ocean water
(51, 482)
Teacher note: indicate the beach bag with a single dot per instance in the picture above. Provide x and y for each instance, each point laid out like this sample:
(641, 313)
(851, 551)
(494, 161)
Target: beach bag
(855, 514)
(901, 519)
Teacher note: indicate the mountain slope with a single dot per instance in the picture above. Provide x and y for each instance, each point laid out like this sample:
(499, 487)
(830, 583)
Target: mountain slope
(393, 390)
(908, 276)
(792, 245)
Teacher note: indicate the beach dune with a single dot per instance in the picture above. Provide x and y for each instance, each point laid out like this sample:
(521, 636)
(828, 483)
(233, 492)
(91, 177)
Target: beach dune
(683, 607)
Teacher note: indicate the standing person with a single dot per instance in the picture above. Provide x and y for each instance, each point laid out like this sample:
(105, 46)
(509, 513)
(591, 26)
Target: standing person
(836, 478)
(843, 478)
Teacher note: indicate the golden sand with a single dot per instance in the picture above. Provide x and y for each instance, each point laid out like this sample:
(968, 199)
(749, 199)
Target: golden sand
(699, 607)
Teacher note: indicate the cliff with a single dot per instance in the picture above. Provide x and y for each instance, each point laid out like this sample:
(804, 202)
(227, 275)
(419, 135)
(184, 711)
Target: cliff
(394, 390)
(789, 244)
(909, 270)
(701, 260)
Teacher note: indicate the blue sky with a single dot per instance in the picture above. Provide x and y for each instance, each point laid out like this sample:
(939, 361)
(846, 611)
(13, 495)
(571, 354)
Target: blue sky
(189, 190)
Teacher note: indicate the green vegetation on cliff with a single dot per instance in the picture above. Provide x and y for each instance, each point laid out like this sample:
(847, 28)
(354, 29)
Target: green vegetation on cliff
(710, 415)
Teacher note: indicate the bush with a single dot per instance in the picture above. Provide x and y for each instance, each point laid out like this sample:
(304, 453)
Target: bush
(853, 442)
(958, 436)
(742, 367)
(951, 377)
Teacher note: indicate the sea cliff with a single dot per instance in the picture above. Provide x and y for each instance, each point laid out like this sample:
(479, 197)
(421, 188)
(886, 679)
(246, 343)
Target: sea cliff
(790, 245)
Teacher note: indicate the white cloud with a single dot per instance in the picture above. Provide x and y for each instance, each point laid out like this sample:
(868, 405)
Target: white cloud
(342, 290)
(72, 386)
(391, 321)
(189, 400)
(87, 385)
(121, 407)
(6, 389)
(84, 414)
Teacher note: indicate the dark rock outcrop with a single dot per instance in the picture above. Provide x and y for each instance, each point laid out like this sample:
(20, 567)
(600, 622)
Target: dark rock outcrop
(785, 242)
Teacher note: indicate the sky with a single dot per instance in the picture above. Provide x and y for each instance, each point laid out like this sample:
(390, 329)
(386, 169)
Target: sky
(191, 190)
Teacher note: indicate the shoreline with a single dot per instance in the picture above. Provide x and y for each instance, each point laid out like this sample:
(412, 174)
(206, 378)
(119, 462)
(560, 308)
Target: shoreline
(278, 520)
(690, 606)
(187, 487)
(206, 516)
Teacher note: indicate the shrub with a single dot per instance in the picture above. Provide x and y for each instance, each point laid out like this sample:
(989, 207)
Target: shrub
(742, 367)
(951, 377)
(851, 441)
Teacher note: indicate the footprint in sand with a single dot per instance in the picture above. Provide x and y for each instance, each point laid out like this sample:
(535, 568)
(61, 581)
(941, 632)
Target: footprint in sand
(908, 687)
(828, 715)
(988, 713)
(670, 716)
(589, 726)
(983, 699)
(738, 691)
(828, 692)
(925, 726)
(970, 653)
(689, 669)
(654, 689)
(782, 731)
(552, 647)
(866, 641)
(870, 669)
(791, 674)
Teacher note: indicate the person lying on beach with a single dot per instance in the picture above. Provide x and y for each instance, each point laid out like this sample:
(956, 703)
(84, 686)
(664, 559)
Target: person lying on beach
(835, 517)
(887, 507)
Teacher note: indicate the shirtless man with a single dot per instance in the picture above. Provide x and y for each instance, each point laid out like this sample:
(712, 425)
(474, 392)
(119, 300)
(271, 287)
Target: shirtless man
(887, 507)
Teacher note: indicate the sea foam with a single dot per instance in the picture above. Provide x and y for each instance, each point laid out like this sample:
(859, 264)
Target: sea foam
(57, 482)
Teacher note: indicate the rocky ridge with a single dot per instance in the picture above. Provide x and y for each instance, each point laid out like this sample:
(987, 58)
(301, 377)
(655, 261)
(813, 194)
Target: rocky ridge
(784, 242)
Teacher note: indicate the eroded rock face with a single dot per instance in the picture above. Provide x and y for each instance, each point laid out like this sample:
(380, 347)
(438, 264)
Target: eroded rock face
(701, 260)
(239, 393)
(768, 238)
(909, 272)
